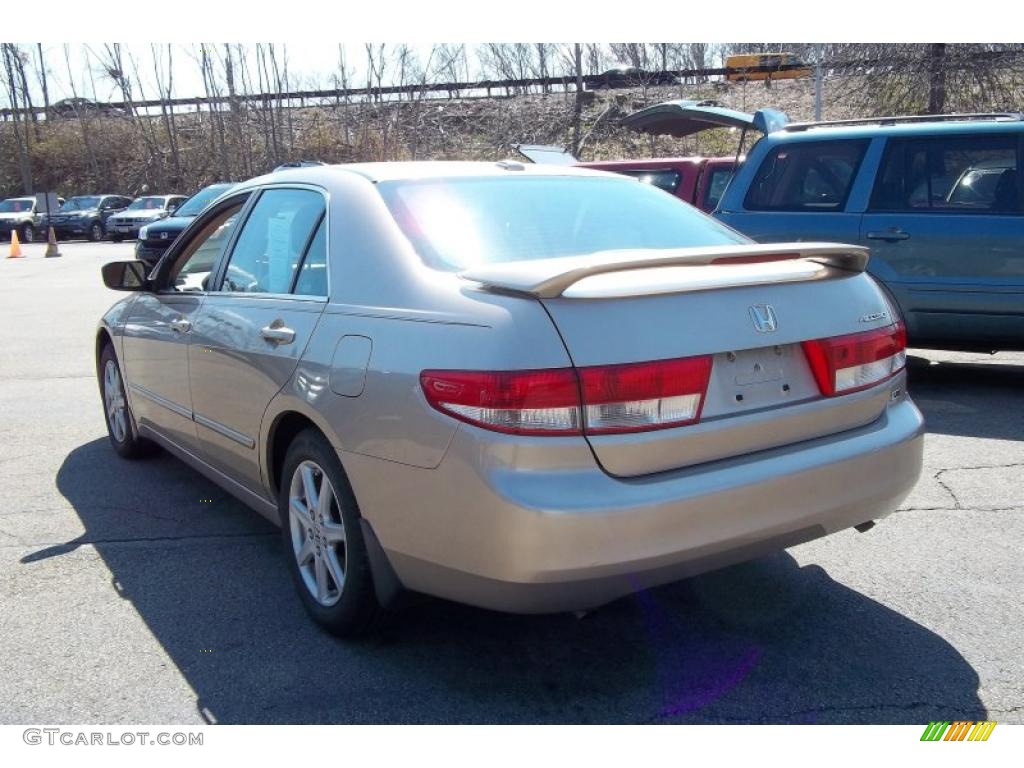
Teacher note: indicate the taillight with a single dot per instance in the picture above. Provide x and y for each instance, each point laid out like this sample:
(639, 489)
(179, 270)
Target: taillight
(542, 402)
(844, 364)
(641, 396)
(633, 397)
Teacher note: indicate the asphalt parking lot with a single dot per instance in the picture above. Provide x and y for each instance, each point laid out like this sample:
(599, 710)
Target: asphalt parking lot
(141, 593)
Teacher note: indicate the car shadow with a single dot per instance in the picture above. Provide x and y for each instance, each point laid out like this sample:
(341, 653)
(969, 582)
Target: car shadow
(767, 641)
(970, 399)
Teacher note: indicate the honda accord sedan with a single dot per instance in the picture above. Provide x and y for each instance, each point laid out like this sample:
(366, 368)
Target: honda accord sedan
(531, 389)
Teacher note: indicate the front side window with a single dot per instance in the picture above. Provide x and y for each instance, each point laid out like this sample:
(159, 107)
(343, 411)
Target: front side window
(199, 257)
(272, 241)
(84, 203)
(955, 174)
(461, 222)
(813, 176)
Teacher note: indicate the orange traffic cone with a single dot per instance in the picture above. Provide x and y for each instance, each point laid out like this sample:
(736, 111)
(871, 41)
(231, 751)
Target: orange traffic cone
(15, 246)
(51, 244)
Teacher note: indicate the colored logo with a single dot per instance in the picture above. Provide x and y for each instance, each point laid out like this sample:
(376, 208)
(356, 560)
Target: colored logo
(959, 730)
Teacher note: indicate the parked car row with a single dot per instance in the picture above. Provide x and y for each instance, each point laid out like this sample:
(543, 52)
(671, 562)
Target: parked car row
(93, 217)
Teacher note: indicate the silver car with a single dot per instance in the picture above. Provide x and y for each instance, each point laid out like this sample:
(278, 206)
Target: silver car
(531, 389)
(142, 211)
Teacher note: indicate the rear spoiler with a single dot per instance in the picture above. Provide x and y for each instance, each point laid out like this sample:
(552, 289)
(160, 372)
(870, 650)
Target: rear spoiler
(549, 278)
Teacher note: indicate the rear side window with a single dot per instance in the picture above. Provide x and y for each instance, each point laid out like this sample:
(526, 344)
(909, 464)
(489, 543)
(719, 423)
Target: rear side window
(312, 279)
(809, 176)
(273, 240)
(955, 174)
(667, 180)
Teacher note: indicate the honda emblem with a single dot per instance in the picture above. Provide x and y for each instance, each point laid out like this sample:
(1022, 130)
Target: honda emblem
(764, 318)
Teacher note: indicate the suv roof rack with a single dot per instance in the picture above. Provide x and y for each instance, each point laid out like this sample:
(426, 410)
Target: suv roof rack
(901, 119)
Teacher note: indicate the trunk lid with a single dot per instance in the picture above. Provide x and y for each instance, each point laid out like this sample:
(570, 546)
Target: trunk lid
(750, 315)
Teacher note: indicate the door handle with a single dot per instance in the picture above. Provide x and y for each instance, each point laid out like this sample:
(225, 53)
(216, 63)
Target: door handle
(277, 333)
(889, 235)
(181, 325)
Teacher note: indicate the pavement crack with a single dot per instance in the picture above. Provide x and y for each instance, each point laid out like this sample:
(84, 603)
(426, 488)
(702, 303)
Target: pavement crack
(945, 486)
(947, 489)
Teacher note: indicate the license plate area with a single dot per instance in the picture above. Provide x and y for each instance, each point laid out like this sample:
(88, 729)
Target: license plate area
(751, 379)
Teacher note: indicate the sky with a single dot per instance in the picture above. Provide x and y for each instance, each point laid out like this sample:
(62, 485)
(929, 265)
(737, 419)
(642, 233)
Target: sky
(310, 64)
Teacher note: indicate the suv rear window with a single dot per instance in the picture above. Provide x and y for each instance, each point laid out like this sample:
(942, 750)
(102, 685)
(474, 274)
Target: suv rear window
(954, 174)
(808, 176)
(456, 223)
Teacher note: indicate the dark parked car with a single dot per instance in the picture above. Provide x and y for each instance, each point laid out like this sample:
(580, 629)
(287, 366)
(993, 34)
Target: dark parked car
(155, 238)
(86, 215)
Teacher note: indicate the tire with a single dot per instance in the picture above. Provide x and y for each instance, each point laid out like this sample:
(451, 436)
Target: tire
(121, 427)
(116, 238)
(96, 232)
(27, 234)
(326, 555)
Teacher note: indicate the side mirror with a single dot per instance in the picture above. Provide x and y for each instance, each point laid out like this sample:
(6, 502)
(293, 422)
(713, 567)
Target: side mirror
(125, 276)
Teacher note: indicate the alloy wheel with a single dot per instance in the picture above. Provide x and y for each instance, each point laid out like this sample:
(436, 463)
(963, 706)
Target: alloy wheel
(317, 533)
(113, 398)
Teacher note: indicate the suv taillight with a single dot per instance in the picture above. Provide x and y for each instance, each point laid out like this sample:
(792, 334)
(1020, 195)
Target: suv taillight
(844, 364)
(633, 397)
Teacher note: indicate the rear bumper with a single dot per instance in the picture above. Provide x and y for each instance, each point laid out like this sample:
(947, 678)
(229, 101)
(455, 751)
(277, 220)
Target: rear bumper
(481, 530)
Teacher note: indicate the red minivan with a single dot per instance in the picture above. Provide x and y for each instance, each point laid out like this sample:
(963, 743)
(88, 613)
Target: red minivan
(699, 181)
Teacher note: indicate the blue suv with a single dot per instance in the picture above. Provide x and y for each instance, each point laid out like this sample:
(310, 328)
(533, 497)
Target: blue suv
(937, 199)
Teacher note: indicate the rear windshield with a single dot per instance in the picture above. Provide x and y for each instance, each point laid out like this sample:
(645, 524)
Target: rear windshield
(459, 223)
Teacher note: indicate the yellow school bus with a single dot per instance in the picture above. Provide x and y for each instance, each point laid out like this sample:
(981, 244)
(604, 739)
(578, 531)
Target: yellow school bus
(740, 65)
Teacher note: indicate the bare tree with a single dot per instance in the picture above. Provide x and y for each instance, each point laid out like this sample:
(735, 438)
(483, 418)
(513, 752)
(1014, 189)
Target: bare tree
(11, 55)
(43, 83)
(83, 121)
